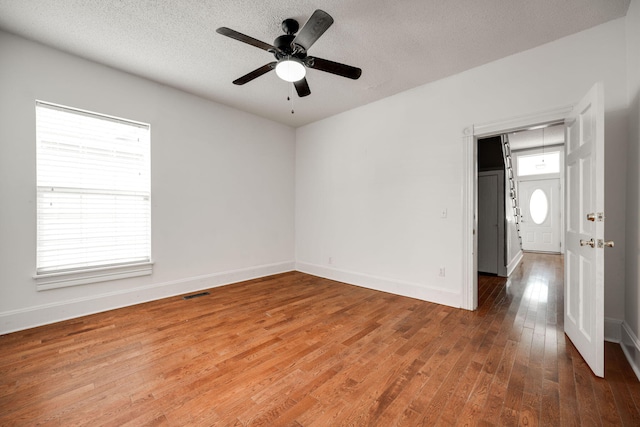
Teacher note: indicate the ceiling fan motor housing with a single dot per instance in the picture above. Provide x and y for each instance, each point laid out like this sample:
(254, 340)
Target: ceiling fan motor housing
(283, 43)
(290, 26)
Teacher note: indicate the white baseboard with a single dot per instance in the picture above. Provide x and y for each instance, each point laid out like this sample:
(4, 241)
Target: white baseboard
(16, 320)
(408, 289)
(631, 347)
(514, 262)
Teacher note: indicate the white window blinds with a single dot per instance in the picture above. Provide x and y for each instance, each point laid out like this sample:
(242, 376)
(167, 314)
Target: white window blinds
(93, 202)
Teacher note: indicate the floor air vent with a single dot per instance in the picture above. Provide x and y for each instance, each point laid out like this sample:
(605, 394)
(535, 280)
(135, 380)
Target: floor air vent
(201, 294)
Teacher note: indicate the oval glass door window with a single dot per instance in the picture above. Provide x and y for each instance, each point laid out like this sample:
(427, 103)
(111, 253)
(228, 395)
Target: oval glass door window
(538, 206)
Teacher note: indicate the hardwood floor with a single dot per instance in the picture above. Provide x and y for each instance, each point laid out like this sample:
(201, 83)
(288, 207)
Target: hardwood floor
(297, 350)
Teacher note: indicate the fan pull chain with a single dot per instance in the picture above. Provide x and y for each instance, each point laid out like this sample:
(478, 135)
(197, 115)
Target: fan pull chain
(290, 98)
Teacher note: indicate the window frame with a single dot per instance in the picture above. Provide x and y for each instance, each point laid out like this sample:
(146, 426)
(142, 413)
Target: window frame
(522, 156)
(53, 279)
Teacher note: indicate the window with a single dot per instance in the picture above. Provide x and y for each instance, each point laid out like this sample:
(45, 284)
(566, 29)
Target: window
(93, 197)
(539, 164)
(538, 206)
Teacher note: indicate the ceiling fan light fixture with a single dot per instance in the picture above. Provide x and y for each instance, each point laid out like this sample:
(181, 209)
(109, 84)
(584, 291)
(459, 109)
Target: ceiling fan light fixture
(291, 70)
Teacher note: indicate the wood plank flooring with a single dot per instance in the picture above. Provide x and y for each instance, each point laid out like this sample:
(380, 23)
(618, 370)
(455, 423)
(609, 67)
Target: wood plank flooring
(297, 350)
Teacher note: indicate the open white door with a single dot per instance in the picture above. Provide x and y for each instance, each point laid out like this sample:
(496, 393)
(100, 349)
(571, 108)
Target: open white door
(584, 257)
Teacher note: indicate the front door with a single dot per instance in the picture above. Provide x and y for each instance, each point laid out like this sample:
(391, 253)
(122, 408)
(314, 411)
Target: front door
(584, 213)
(540, 219)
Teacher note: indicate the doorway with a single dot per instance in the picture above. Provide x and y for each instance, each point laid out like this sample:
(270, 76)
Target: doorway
(525, 215)
(471, 136)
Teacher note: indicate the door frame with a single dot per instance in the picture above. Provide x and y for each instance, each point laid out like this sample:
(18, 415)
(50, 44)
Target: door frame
(470, 136)
(560, 147)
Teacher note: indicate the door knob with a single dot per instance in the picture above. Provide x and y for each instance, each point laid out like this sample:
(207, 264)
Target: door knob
(590, 242)
(595, 216)
(602, 243)
(607, 244)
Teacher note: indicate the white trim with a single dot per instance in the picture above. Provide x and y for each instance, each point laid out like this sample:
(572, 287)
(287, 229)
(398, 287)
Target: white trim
(61, 107)
(509, 124)
(469, 298)
(409, 289)
(65, 279)
(20, 319)
(631, 347)
(514, 262)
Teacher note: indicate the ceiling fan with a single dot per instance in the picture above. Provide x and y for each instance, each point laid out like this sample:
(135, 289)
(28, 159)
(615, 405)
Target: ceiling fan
(290, 51)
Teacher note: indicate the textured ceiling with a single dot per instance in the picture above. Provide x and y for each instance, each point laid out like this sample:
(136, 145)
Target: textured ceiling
(398, 44)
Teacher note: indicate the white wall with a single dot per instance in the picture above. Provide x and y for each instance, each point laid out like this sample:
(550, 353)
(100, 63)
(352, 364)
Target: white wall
(222, 185)
(371, 183)
(632, 289)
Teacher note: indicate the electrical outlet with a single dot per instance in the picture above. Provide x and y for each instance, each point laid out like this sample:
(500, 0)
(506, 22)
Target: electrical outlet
(441, 273)
(330, 260)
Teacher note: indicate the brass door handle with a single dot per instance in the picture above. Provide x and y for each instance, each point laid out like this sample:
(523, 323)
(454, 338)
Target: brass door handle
(595, 216)
(590, 242)
(605, 244)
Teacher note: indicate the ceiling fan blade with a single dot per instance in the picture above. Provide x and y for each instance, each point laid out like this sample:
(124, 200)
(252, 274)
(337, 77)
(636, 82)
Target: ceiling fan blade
(302, 87)
(245, 39)
(319, 22)
(255, 73)
(334, 67)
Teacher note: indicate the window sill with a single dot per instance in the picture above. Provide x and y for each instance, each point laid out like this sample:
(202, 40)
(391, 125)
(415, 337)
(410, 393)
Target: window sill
(48, 281)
